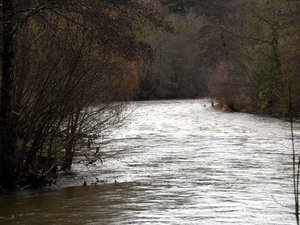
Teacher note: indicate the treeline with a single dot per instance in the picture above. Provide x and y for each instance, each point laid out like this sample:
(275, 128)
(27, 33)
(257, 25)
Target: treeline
(244, 54)
(64, 67)
(260, 59)
(174, 71)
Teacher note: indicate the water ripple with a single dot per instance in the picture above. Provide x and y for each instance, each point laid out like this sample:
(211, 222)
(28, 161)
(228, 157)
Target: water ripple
(185, 164)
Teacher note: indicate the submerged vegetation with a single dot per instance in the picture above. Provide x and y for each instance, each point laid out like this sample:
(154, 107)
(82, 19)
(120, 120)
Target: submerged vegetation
(68, 67)
(63, 64)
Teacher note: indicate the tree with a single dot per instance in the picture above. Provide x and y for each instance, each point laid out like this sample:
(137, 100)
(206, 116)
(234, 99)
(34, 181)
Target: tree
(7, 132)
(181, 7)
(174, 72)
(46, 102)
(265, 38)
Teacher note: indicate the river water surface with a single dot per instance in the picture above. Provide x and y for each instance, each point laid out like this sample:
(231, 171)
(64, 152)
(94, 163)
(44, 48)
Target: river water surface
(180, 163)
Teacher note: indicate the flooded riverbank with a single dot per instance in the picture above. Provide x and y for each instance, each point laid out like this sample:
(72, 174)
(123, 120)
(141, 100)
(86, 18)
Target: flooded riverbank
(180, 163)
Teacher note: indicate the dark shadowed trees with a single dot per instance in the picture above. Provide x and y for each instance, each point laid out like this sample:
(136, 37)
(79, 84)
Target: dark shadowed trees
(63, 63)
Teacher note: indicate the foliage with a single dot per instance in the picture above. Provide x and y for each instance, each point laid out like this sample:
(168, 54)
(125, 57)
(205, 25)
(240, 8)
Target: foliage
(267, 57)
(174, 71)
(180, 6)
(64, 63)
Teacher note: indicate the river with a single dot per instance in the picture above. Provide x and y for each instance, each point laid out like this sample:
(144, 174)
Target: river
(180, 162)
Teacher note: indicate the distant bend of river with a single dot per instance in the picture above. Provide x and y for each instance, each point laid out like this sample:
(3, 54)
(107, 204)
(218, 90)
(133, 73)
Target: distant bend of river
(181, 162)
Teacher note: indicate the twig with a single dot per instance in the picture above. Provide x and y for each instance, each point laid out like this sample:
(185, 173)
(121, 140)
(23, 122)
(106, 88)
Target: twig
(295, 179)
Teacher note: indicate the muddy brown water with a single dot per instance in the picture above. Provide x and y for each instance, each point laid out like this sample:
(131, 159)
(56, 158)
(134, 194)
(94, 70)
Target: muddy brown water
(180, 162)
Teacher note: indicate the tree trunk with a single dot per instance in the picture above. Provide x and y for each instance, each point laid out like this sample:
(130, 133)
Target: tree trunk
(73, 126)
(7, 129)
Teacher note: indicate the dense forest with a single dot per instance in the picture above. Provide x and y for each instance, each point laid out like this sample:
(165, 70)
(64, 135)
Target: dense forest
(244, 54)
(68, 68)
(63, 65)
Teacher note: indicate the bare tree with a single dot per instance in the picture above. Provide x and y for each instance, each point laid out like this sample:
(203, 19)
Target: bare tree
(63, 62)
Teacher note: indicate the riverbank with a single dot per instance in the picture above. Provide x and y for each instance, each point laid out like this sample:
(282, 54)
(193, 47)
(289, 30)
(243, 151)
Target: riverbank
(187, 163)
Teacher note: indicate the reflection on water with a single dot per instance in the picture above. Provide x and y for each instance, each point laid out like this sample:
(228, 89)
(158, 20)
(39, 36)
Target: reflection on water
(184, 164)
